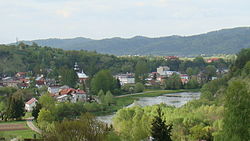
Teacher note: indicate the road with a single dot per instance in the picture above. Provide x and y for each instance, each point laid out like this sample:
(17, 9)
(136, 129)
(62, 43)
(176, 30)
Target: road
(32, 126)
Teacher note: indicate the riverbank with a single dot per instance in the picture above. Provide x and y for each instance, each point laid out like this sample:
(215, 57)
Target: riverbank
(125, 100)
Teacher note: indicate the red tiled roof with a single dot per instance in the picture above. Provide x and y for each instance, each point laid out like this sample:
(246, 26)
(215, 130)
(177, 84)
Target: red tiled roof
(71, 90)
(21, 73)
(212, 60)
(66, 91)
(32, 100)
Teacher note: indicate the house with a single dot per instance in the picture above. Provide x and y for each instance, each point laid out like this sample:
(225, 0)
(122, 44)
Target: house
(127, 78)
(214, 78)
(56, 89)
(71, 95)
(10, 82)
(170, 73)
(212, 60)
(184, 78)
(51, 82)
(30, 104)
(20, 74)
(23, 85)
(79, 95)
(153, 75)
(162, 70)
(165, 71)
(40, 81)
(171, 57)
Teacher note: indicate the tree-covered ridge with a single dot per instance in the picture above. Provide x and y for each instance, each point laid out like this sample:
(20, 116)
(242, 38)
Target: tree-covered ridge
(226, 41)
(50, 61)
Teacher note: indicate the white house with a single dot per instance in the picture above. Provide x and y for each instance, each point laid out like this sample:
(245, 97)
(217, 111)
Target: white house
(71, 95)
(169, 73)
(30, 104)
(127, 78)
(162, 70)
(56, 89)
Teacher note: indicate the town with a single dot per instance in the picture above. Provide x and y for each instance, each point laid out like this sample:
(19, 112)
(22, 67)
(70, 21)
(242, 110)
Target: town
(65, 93)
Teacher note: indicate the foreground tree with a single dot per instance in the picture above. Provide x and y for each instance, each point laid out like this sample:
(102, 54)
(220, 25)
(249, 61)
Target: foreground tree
(160, 131)
(237, 112)
(87, 128)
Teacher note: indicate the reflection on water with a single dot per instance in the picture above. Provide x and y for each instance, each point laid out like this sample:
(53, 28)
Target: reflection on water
(176, 99)
(172, 99)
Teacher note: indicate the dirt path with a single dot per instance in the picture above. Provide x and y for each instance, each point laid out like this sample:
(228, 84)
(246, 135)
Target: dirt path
(32, 126)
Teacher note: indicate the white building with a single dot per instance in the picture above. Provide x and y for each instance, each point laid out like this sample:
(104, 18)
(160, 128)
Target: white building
(30, 104)
(127, 78)
(82, 76)
(71, 95)
(162, 70)
(56, 89)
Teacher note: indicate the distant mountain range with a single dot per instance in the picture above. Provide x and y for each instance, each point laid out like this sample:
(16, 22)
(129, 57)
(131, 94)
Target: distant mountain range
(225, 41)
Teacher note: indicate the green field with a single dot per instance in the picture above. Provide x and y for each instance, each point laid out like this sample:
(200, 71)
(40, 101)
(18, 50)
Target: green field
(18, 133)
(27, 133)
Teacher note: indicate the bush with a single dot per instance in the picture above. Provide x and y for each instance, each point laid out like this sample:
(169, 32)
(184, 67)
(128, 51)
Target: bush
(139, 87)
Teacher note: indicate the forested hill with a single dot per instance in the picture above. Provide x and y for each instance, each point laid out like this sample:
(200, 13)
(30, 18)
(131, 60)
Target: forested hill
(226, 41)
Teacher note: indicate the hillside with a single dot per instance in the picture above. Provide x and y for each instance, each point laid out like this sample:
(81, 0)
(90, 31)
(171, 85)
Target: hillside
(226, 41)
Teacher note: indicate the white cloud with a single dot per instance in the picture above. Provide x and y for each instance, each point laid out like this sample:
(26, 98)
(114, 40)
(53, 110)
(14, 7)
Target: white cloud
(32, 19)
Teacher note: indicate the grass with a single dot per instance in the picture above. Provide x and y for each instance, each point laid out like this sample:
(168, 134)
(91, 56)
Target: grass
(18, 133)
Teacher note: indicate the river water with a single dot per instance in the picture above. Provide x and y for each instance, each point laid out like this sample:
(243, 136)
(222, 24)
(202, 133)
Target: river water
(173, 99)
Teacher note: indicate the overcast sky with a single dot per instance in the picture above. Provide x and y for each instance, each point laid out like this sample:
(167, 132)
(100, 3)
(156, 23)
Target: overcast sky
(97, 19)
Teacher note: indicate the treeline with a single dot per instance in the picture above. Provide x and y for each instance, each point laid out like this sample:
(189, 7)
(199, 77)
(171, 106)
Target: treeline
(49, 61)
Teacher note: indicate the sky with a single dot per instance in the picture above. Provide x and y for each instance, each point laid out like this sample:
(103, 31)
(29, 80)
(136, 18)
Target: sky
(98, 19)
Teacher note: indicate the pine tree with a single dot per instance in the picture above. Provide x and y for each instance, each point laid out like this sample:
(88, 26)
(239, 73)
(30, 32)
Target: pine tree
(15, 106)
(160, 131)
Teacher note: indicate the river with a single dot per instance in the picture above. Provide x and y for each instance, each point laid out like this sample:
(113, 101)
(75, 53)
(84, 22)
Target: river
(173, 99)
